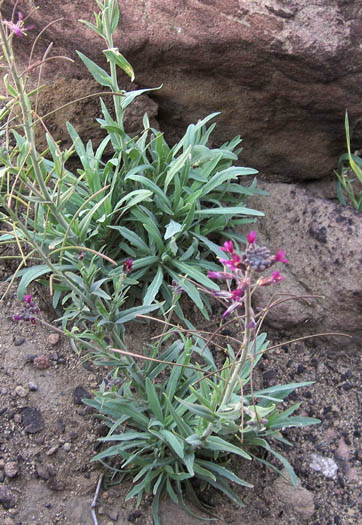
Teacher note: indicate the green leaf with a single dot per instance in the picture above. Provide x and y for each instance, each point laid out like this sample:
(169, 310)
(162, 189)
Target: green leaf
(100, 75)
(176, 166)
(115, 57)
(131, 313)
(154, 287)
(234, 210)
(217, 443)
(224, 472)
(194, 273)
(132, 237)
(31, 274)
(174, 442)
(153, 400)
(172, 228)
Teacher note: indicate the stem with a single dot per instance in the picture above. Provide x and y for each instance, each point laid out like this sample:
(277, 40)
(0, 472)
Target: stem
(27, 122)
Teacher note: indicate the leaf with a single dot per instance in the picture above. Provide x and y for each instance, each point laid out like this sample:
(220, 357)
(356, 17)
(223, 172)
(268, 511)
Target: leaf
(115, 57)
(131, 313)
(174, 442)
(217, 443)
(234, 210)
(224, 472)
(153, 288)
(176, 166)
(153, 400)
(31, 274)
(194, 273)
(100, 75)
(172, 228)
(132, 237)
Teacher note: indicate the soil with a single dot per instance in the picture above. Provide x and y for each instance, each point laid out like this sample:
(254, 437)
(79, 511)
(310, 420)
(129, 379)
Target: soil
(48, 437)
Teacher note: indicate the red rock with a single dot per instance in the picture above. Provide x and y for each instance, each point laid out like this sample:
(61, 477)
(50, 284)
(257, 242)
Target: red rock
(53, 339)
(42, 362)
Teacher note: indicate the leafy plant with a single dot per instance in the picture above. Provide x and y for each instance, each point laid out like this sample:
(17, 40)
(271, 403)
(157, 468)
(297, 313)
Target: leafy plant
(167, 432)
(132, 197)
(349, 175)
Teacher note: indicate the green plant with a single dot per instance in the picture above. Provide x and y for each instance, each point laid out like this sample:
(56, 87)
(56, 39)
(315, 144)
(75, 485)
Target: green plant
(132, 197)
(168, 430)
(349, 175)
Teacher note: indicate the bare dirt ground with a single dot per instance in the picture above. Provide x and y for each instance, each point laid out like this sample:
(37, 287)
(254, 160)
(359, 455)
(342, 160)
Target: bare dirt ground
(48, 438)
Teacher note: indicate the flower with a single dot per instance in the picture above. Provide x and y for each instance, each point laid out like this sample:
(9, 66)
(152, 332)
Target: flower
(27, 298)
(127, 266)
(233, 263)
(228, 247)
(219, 275)
(251, 237)
(280, 257)
(18, 29)
(275, 278)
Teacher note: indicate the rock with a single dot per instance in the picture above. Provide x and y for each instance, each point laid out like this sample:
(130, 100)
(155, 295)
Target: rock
(327, 466)
(32, 420)
(80, 393)
(20, 391)
(112, 514)
(67, 447)
(19, 341)
(7, 499)
(42, 362)
(42, 471)
(33, 387)
(17, 418)
(276, 70)
(323, 243)
(11, 469)
(297, 500)
(133, 516)
(4, 391)
(53, 339)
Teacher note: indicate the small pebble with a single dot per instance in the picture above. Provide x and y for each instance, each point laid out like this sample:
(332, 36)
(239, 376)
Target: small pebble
(20, 391)
(19, 341)
(17, 418)
(112, 514)
(4, 391)
(52, 450)
(67, 447)
(11, 469)
(2, 463)
(53, 339)
(32, 386)
(42, 362)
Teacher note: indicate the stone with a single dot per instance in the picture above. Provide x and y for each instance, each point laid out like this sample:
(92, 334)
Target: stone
(21, 391)
(19, 341)
(53, 339)
(11, 469)
(32, 420)
(327, 466)
(323, 243)
(42, 362)
(7, 499)
(297, 500)
(276, 70)
(80, 393)
(42, 471)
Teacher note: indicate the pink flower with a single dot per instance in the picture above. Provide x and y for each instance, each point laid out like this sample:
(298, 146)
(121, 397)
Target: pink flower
(228, 247)
(232, 263)
(18, 28)
(27, 298)
(237, 294)
(127, 266)
(251, 237)
(280, 257)
(219, 275)
(275, 278)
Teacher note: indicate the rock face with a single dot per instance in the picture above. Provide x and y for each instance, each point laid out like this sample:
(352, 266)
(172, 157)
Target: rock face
(276, 69)
(323, 243)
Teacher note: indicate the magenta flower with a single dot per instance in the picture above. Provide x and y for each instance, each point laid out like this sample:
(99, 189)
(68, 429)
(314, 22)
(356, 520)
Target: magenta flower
(127, 266)
(228, 247)
(251, 237)
(233, 263)
(280, 257)
(219, 275)
(27, 298)
(275, 278)
(18, 29)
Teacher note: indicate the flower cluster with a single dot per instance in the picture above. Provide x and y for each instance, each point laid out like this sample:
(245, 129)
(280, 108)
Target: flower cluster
(240, 267)
(29, 311)
(127, 266)
(18, 29)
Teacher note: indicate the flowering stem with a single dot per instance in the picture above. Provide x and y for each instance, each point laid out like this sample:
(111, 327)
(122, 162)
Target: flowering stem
(235, 371)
